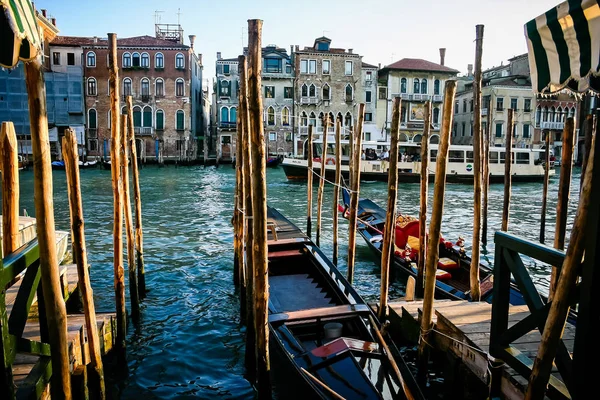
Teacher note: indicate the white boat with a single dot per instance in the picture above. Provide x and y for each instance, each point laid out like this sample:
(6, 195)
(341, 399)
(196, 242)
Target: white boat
(528, 164)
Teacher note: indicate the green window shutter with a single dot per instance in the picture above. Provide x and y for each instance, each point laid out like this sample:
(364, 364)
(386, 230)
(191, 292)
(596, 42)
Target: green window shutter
(148, 118)
(93, 122)
(137, 118)
(160, 120)
(180, 117)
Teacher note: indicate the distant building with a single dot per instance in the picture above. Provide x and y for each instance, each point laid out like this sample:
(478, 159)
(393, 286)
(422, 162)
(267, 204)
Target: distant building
(226, 105)
(369, 97)
(415, 81)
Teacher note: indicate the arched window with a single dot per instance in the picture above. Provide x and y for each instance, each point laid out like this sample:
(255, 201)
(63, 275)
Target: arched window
(403, 85)
(416, 86)
(538, 115)
(233, 114)
(304, 90)
(285, 116)
(320, 120)
(224, 114)
(145, 85)
(403, 114)
(551, 114)
(312, 90)
(147, 117)
(331, 121)
(145, 60)
(545, 114)
(91, 59)
(180, 120)
(423, 86)
(92, 87)
(326, 94)
(436, 87)
(126, 60)
(559, 114)
(92, 119)
(436, 115)
(179, 61)
(127, 91)
(124, 110)
(159, 87)
(137, 116)
(340, 117)
(349, 94)
(225, 89)
(303, 119)
(160, 120)
(136, 59)
(312, 119)
(348, 120)
(270, 116)
(159, 61)
(179, 87)
(571, 112)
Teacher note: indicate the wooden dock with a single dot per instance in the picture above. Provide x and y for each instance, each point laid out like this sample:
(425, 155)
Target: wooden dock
(463, 328)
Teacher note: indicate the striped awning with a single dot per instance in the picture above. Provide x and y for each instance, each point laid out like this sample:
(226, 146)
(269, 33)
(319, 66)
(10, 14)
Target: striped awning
(564, 48)
(19, 32)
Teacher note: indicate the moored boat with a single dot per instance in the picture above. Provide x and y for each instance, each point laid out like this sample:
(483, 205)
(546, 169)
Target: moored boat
(273, 162)
(323, 336)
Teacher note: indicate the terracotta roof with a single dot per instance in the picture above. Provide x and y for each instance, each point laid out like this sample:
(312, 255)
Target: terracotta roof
(139, 41)
(365, 65)
(417, 64)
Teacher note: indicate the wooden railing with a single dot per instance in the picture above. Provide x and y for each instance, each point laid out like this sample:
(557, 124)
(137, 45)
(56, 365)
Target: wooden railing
(507, 262)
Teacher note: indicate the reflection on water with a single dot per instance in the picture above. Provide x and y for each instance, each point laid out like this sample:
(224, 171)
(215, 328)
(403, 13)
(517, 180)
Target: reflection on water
(190, 342)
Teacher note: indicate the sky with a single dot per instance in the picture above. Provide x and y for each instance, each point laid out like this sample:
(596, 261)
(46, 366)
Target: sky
(381, 31)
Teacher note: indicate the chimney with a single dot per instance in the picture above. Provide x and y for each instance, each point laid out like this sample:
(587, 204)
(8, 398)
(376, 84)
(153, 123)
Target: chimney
(442, 56)
(95, 39)
(297, 48)
(379, 65)
(53, 21)
(218, 55)
(470, 70)
(44, 12)
(350, 51)
(192, 40)
(200, 58)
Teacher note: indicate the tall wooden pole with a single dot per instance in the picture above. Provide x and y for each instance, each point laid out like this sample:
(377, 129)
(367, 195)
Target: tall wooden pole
(71, 157)
(248, 171)
(474, 275)
(564, 188)
(139, 234)
(322, 179)
(508, 156)
(423, 201)
(236, 206)
(133, 284)
(115, 162)
(336, 187)
(10, 188)
(590, 131)
(559, 309)
(309, 183)
(355, 191)
(240, 199)
(259, 205)
(390, 224)
(44, 212)
(545, 190)
(435, 227)
(351, 159)
(486, 172)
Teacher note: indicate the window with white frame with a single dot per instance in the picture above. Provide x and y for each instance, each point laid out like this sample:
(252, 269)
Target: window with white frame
(179, 87)
(326, 67)
(225, 89)
(526, 131)
(424, 86)
(349, 67)
(180, 120)
(160, 120)
(179, 61)
(304, 66)
(403, 85)
(127, 90)
(270, 116)
(326, 92)
(312, 90)
(126, 60)
(92, 87)
(368, 96)
(272, 136)
(312, 66)
(135, 59)
(349, 93)
(416, 85)
(159, 61)
(285, 116)
(159, 87)
(145, 60)
(369, 76)
(304, 90)
(92, 119)
(91, 59)
(145, 87)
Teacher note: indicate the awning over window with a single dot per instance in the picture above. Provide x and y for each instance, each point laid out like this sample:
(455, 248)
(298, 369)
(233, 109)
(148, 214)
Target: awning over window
(19, 33)
(564, 47)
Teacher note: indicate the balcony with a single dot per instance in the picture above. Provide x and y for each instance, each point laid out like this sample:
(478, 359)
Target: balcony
(143, 130)
(145, 98)
(438, 98)
(309, 100)
(405, 96)
(420, 97)
(553, 125)
(368, 84)
(227, 125)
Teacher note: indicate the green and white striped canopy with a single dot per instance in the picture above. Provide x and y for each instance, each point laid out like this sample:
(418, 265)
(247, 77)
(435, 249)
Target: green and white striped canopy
(564, 48)
(19, 34)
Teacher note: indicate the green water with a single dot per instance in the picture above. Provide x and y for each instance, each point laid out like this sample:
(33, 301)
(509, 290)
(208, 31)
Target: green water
(190, 342)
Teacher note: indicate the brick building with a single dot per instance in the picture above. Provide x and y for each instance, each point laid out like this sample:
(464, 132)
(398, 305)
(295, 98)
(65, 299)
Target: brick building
(164, 77)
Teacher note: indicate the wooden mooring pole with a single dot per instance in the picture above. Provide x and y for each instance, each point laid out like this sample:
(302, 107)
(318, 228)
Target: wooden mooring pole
(54, 303)
(545, 190)
(71, 157)
(336, 187)
(477, 150)
(259, 205)
(508, 156)
(309, 182)
(564, 188)
(115, 162)
(241, 196)
(322, 178)
(355, 185)
(435, 227)
(423, 202)
(133, 283)
(559, 309)
(387, 250)
(237, 265)
(137, 197)
(10, 188)
(589, 127)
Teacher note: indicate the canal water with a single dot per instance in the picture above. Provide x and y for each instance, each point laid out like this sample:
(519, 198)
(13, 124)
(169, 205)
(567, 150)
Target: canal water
(190, 343)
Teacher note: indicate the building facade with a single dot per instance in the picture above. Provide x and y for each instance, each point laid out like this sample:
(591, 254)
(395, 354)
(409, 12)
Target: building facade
(415, 81)
(369, 97)
(226, 89)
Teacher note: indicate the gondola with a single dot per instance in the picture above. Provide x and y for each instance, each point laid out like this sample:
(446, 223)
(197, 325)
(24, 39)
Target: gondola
(452, 279)
(325, 341)
(88, 164)
(273, 162)
(58, 165)
(106, 165)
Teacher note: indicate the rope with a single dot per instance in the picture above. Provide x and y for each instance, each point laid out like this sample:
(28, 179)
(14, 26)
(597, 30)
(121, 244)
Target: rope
(331, 183)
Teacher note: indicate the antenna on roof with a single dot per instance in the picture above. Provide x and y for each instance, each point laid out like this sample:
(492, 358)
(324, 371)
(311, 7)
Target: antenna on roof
(178, 16)
(324, 33)
(157, 16)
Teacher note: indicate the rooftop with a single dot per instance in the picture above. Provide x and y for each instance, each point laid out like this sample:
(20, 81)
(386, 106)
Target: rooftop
(136, 41)
(417, 64)
(365, 65)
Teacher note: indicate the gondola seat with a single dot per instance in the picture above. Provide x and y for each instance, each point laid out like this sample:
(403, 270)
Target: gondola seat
(447, 264)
